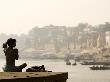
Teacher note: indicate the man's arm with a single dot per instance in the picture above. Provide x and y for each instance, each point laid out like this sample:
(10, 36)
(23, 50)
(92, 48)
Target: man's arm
(16, 54)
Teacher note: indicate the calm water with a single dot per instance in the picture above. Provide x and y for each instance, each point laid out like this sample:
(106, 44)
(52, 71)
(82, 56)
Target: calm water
(77, 73)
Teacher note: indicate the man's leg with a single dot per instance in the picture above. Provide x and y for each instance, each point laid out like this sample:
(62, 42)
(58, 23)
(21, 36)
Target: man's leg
(19, 68)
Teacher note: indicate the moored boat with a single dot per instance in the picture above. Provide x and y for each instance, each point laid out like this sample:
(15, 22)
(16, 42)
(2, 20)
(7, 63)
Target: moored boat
(68, 63)
(104, 67)
(95, 63)
(74, 63)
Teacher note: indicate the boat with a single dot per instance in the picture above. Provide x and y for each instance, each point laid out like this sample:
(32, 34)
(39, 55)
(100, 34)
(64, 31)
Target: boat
(68, 63)
(74, 63)
(95, 63)
(67, 60)
(104, 67)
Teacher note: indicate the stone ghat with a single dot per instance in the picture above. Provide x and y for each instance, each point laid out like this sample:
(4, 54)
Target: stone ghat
(33, 76)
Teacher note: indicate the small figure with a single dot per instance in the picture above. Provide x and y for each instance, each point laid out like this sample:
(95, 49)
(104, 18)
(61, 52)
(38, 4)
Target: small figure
(11, 54)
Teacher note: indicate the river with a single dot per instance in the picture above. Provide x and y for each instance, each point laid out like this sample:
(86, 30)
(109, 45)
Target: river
(78, 73)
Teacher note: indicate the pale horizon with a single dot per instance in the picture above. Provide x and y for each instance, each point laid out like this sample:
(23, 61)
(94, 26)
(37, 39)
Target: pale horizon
(20, 16)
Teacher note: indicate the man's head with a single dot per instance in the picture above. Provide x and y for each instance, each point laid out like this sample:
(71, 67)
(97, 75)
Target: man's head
(11, 42)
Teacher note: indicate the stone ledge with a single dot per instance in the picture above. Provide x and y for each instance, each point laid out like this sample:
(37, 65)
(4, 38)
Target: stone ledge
(33, 76)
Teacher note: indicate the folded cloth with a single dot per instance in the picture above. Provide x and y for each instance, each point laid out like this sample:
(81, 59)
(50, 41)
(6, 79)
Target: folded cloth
(9, 68)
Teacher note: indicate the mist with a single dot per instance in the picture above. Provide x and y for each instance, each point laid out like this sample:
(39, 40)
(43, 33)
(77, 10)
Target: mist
(17, 17)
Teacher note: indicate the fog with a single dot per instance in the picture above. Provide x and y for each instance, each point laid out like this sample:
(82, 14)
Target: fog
(20, 16)
(55, 42)
(55, 26)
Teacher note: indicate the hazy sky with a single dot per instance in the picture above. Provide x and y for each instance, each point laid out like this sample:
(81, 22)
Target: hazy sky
(19, 16)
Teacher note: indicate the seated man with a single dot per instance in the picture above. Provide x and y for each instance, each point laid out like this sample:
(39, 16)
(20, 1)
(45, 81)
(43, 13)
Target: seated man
(11, 54)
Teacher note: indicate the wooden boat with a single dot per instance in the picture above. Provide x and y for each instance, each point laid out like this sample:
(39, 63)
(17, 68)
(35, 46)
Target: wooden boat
(95, 63)
(74, 63)
(104, 67)
(68, 62)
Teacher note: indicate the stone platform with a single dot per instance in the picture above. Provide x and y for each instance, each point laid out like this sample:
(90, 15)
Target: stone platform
(33, 76)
